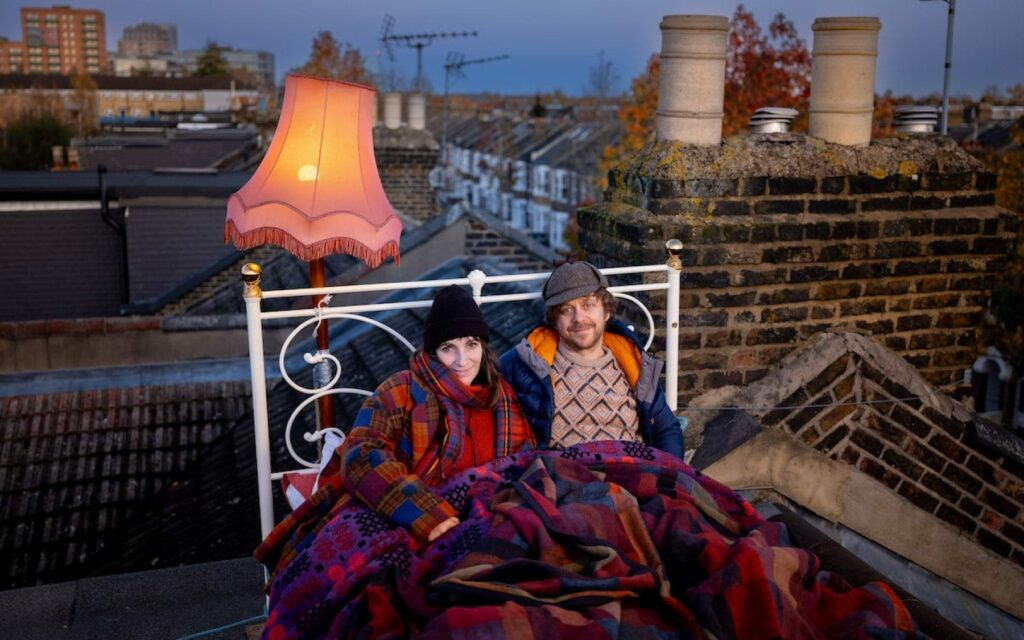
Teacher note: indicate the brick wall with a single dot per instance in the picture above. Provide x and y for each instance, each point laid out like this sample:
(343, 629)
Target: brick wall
(786, 236)
(935, 462)
(404, 159)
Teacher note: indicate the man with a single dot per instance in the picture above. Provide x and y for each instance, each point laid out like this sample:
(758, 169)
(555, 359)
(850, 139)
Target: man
(583, 375)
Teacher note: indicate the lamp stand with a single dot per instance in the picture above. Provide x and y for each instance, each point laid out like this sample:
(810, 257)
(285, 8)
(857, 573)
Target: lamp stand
(324, 405)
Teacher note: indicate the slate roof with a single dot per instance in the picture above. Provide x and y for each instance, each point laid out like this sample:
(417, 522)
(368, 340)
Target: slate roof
(71, 185)
(229, 149)
(77, 469)
(123, 83)
(122, 479)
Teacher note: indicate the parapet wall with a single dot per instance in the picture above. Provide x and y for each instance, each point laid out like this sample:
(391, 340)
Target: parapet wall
(787, 235)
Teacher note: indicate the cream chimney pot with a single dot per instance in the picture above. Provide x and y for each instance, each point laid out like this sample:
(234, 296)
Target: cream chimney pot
(691, 89)
(843, 79)
(417, 111)
(392, 110)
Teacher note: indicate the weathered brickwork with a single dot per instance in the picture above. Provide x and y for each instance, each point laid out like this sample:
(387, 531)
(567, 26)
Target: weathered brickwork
(481, 240)
(404, 160)
(787, 237)
(854, 413)
(403, 173)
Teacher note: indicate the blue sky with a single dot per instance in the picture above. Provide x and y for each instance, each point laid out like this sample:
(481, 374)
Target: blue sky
(552, 43)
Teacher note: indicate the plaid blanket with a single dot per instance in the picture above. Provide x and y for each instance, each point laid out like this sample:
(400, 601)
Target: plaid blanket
(601, 540)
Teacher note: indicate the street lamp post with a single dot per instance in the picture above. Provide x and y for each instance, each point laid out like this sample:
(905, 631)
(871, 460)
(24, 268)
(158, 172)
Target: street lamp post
(949, 65)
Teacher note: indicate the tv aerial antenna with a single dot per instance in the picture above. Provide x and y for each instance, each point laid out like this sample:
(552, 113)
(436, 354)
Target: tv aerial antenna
(453, 67)
(415, 41)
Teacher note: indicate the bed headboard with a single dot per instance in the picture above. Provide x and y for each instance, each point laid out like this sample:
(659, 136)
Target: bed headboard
(328, 378)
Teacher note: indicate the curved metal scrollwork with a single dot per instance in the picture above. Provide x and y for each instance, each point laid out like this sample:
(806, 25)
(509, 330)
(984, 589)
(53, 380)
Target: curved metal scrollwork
(647, 313)
(318, 392)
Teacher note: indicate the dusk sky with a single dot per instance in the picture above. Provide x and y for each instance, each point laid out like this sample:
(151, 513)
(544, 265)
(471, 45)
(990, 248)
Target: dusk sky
(553, 43)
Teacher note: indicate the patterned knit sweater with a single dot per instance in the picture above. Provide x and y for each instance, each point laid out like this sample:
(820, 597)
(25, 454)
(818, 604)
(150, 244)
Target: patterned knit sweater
(593, 400)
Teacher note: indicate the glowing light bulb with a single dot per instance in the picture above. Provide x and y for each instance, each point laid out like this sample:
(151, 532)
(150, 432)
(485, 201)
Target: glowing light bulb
(307, 173)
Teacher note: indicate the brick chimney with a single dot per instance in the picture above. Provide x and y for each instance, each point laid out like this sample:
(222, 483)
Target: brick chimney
(788, 235)
(405, 156)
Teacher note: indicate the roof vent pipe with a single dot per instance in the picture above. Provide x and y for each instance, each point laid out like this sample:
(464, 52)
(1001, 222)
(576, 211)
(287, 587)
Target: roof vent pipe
(843, 79)
(915, 118)
(392, 110)
(691, 89)
(417, 112)
(772, 120)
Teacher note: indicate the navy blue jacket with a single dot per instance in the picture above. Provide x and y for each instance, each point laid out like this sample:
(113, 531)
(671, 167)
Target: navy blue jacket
(527, 367)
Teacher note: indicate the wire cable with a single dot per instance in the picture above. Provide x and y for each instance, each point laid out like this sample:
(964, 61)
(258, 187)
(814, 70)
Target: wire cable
(231, 625)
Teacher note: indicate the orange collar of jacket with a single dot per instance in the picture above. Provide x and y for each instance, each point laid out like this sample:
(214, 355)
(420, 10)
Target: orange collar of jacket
(544, 341)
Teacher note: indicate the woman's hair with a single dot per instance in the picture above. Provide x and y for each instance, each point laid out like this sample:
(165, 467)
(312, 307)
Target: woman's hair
(489, 375)
(610, 303)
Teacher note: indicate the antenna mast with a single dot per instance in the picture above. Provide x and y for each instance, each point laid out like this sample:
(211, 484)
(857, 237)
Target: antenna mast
(416, 41)
(453, 66)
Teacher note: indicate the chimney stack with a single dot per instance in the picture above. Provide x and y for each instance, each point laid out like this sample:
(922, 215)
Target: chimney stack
(392, 110)
(417, 112)
(843, 79)
(691, 90)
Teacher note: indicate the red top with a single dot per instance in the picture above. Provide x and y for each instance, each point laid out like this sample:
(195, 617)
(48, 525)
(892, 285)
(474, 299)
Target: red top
(478, 444)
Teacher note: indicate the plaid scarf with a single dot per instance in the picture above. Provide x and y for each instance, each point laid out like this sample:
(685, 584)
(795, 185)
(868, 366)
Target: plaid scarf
(511, 431)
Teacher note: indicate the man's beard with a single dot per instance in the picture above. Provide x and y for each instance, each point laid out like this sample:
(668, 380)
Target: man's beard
(575, 338)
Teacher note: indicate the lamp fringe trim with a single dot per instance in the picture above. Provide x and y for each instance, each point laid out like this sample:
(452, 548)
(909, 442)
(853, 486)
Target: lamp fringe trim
(320, 249)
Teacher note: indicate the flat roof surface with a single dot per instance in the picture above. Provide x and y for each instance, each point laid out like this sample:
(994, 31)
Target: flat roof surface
(164, 603)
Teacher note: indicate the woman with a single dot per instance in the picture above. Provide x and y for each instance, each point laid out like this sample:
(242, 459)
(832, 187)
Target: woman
(450, 411)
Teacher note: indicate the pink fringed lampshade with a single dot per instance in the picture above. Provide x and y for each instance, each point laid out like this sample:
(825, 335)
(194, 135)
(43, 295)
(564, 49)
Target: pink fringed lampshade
(317, 191)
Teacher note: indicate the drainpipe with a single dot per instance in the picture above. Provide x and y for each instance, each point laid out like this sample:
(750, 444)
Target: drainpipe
(843, 79)
(117, 226)
(691, 89)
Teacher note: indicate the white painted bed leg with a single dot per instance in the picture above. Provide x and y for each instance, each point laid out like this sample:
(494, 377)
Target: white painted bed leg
(675, 267)
(253, 296)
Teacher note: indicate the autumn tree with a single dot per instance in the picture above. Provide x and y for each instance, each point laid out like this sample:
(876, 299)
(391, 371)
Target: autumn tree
(637, 118)
(211, 62)
(338, 60)
(764, 70)
(83, 103)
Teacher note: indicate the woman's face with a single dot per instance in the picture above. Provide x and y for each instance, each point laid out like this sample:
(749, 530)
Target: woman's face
(462, 356)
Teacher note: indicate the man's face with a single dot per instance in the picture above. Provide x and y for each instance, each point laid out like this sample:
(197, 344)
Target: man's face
(580, 324)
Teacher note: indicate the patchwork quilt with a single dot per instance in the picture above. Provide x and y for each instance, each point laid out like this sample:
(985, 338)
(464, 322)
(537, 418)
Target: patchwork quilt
(601, 540)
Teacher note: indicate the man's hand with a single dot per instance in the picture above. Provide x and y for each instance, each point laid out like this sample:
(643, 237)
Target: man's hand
(440, 529)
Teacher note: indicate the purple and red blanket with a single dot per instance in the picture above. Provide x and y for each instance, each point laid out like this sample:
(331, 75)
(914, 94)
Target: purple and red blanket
(602, 540)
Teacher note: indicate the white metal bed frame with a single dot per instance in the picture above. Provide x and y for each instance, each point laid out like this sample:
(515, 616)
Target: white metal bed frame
(477, 281)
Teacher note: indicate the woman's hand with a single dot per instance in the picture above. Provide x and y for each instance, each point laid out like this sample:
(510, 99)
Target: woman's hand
(440, 529)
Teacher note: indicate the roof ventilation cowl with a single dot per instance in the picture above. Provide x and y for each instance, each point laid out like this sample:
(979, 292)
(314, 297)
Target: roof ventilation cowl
(915, 118)
(772, 120)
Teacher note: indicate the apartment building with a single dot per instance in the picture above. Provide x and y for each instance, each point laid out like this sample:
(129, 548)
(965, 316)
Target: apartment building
(148, 39)
(12, 56)
(56, 40)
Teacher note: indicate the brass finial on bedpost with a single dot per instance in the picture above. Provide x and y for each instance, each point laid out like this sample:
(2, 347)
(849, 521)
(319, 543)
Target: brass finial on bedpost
(251, 273)
(674, 247)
